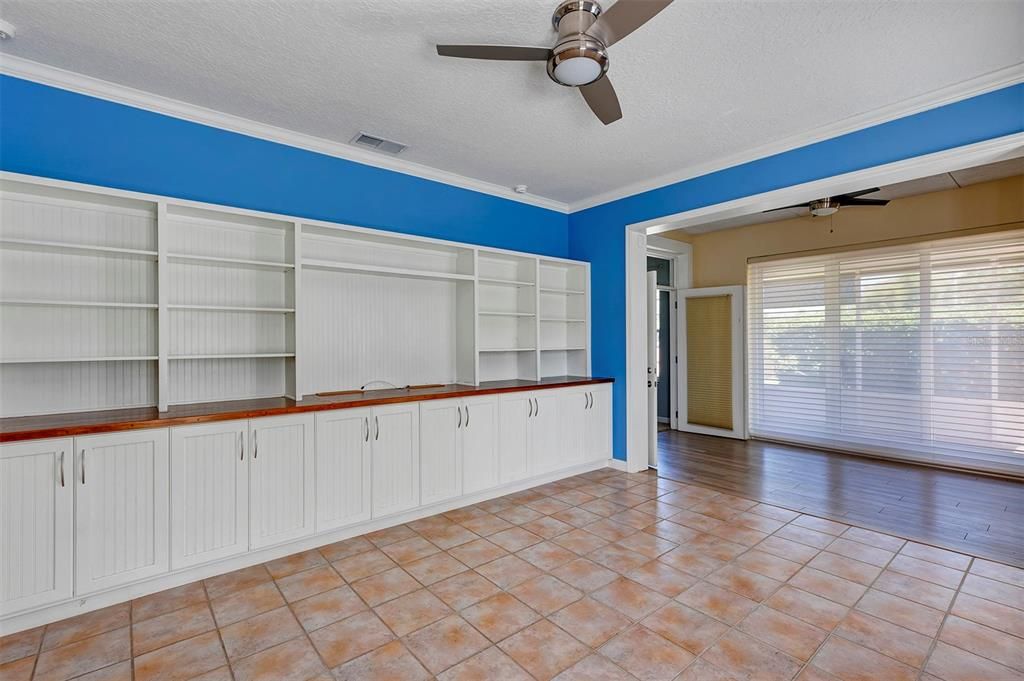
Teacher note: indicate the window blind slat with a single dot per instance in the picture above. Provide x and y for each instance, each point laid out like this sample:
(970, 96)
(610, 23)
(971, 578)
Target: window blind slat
(913, 351)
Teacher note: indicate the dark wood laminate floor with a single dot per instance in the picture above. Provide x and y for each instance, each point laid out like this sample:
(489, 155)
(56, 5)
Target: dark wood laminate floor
(979, 515)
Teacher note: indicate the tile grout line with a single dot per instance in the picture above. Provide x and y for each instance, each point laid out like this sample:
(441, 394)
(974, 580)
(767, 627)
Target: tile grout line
(216, 626)
(945, 616)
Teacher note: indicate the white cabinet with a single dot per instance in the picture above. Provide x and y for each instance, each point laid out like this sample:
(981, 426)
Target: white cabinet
(597, 439)
(572, 413)
(458, 447)
(209, 492)
(514, 411)
(281, 479)
(441, 424)
(121, 508)
(343, 467)
(396, 458)
(480, 467)
(36, 517)
(546, 434)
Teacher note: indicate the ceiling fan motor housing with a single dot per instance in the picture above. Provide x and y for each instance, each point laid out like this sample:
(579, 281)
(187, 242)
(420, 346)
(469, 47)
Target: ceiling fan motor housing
(577, 59)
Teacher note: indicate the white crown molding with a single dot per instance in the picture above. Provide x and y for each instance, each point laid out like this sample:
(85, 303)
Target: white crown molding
(989, 82)
(101, 89)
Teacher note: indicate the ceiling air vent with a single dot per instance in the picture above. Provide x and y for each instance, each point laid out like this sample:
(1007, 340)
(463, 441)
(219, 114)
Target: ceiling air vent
(378, 144)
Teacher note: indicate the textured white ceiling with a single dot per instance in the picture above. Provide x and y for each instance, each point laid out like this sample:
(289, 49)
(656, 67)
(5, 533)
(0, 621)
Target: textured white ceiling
(703, 81)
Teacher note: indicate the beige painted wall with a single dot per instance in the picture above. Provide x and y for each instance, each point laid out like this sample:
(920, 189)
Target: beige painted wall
(720, 258)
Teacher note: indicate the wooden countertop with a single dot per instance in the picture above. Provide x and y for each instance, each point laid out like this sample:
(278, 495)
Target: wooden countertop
(90, 422)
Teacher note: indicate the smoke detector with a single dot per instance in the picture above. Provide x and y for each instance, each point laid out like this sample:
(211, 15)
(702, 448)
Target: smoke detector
(6, 30)
(378, 143)
(520, 189)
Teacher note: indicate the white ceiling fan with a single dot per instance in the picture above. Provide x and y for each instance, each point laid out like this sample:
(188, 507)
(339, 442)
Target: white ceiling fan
(580, 56)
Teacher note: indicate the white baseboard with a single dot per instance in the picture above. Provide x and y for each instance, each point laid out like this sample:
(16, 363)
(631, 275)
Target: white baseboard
(28, 619)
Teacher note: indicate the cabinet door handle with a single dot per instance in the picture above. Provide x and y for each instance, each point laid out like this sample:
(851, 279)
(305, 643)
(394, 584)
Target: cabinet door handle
(459, 409)
(529, 401)
(376, 425)
(255, 444)
(591, 395)
(536, 407)
(62, 469)
(366, 423)
(467, 416)
(241, 445)
(83, 466)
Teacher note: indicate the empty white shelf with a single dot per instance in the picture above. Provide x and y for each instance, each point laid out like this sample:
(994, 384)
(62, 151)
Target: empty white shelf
(381, 269)
(257, 355)
(76, 303)
(567, 320)
(81, 249)
(231, 308)
(507, 349)
(504, 282)
(62, 360)
(214, 261)
(563, 348)
(487, 313)
(563, 291)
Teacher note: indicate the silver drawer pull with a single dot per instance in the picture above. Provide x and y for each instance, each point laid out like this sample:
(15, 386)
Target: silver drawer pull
(530, 403)
(255, 444)
(366, 422)
(83, 466)
(376, 424)
(241, 445)
(62, 469)
(467, 416)
(459, 409)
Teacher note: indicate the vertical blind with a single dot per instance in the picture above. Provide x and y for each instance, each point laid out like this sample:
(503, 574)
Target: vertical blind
(913, 351)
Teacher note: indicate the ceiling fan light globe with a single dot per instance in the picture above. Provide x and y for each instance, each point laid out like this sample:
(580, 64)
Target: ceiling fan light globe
(822, 211)
(577, 71)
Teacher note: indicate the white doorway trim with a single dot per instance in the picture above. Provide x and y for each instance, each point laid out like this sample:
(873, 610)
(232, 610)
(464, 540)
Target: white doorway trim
(739, 361)
(680, 254)
(981, 153)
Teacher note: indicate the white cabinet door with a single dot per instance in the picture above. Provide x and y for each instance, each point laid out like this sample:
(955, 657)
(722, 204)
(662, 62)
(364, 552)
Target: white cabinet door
(36, 516)
(121, 508)
(441, 427)
(396, 458)
(546, 432)
(480, 444)
(343, 467)
(597, 442)
(209, 492)
(514, 411)
(281, 471)
(572, 404)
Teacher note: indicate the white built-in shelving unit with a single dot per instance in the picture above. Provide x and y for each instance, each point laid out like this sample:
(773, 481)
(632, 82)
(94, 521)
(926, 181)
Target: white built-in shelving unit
(113, 299)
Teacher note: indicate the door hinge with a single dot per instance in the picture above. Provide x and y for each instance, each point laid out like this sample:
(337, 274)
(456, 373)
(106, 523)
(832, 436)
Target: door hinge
(676, 304)
(677, 413)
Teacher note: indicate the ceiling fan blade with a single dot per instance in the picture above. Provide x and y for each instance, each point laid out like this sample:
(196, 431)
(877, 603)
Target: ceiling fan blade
(797, 205)
(624, 17)
(863, 202)
(853, 195)
(499, 52)
(603, 101)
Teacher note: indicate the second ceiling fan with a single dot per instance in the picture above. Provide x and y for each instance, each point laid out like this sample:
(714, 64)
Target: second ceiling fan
(580, 56)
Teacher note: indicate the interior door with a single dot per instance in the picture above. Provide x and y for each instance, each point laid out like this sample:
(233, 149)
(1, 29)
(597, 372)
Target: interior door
(36, 516)
(396, 458)
(121, 508)
(652, 369)
(441, 427)
(712, 368)
(209, 492)
(281, 479)
(343, 467)
(480, 444)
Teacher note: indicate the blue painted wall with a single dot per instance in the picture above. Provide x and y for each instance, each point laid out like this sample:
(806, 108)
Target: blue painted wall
(54, 133)
(598, 234)
(59, 134)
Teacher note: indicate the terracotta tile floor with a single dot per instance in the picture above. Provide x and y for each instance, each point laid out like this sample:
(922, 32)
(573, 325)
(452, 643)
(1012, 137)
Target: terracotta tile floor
(601, 576)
